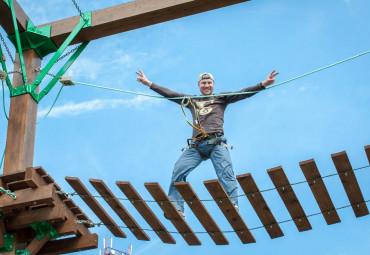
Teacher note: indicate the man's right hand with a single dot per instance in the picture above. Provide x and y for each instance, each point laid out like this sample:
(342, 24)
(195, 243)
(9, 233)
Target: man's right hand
(142, 78)
(4, 58)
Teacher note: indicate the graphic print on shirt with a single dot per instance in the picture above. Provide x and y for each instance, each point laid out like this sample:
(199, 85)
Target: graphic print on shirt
(204, 110)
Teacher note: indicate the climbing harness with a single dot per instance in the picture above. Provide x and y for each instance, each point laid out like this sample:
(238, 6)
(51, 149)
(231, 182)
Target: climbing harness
(214, 141)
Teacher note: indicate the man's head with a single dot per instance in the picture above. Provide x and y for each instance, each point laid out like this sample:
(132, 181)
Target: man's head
(206, 83)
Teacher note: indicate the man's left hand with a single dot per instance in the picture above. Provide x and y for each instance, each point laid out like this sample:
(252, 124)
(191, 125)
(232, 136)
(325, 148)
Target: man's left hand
(4, 58)
(270, 79)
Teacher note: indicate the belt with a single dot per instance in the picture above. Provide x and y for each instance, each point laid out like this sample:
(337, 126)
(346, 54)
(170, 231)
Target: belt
(209, 137)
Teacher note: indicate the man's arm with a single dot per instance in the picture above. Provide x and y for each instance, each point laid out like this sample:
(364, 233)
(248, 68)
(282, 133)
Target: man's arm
(257, 88)
(160, 90)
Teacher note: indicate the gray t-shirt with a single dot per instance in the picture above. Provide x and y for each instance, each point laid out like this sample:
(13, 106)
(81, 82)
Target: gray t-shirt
(210, 109)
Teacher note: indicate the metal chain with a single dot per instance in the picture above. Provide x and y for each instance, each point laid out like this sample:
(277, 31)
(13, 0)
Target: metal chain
(7, 49)
(79, 10)
(38, 69)
(68, 53)
(11, 72)
(9, 193)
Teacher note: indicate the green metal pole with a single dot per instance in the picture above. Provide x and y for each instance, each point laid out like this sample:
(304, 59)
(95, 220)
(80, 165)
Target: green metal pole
(19, 47)
(65, 67)
(57, 54)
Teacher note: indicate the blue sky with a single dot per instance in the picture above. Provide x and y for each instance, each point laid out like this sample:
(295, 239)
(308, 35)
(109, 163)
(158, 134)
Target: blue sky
(101, 134)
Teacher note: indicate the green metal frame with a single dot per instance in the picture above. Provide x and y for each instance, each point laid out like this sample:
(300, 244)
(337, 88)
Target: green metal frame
(43, 228)
(60, 73)
(22, 252)
(39, 40)
(18, 42)
(8, 242)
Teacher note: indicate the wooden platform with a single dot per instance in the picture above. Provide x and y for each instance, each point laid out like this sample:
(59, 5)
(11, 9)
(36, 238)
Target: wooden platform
(38, 200)
(282, 186)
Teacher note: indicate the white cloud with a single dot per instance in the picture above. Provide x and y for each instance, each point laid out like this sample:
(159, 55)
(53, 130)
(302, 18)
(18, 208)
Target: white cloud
(73, 109)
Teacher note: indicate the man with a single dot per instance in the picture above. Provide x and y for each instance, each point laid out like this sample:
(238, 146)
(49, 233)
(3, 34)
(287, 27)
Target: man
(207, 140)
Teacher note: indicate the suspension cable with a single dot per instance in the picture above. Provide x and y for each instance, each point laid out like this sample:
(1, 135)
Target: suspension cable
(209, 200)
(225, 231)
(228, 94)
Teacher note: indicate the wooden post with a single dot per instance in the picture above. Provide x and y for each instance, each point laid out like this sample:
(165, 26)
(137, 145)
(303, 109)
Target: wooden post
(20, 140)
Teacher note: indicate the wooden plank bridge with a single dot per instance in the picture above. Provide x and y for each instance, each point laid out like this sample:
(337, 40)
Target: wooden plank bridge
(39, 199)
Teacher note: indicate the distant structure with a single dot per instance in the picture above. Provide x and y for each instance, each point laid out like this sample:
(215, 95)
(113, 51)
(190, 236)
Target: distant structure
(109, 250)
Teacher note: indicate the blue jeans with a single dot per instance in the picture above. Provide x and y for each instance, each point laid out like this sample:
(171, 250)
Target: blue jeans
(190, 159)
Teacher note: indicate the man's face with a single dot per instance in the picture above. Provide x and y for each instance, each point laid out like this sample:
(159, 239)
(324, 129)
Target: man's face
(206, 86)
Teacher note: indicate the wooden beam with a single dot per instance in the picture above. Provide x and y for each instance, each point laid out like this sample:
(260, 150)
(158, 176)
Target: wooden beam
(289, 198)
(350, 184)
(201, 212)
(228, 209)
(86, 196)
(172, 213)
(2, 230)
(319, 191)
(145, 211)
(28, 197)
(23, 219)
(132, 15)
(6, 20)
(20, 142)
(68, 245)
(259, 204)
(119, 209)
(367, 151)
(36, 244)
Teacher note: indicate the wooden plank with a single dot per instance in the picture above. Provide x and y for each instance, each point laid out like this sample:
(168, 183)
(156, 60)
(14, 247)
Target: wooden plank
(145, 211)
(172, 214)
(289, 198)
(119, 209)
(367, 151)
(227, 207)
(2, 230)
(6, 20)
(132, 15)
(201, 212)
(319, 191)
(70, 227)
(23, 219)
(20, 142)
(28, 197)
(350, 184)
(68, 245)
(86, 196)
(32, 179)
(36, 244)
(12, 177)
(259, 204)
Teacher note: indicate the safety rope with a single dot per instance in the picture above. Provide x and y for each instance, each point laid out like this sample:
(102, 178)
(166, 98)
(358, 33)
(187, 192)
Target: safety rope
(6, 115)
(9, 193)
(52, 106)
(208, 200)
(200, 128)
(2, 159)
(229, 94)
(225, 231)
